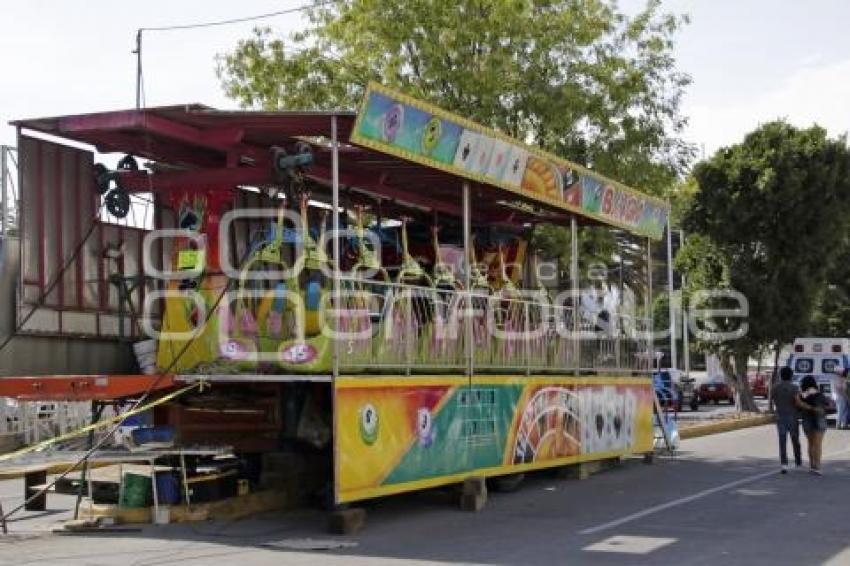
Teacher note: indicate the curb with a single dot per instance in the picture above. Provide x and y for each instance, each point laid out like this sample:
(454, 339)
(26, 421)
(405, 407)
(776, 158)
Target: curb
(724, 426)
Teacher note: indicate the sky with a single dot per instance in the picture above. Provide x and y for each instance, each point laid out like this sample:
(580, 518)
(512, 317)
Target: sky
(751, 61)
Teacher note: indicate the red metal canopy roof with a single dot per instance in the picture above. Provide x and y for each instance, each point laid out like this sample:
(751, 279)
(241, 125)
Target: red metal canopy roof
(234, 147)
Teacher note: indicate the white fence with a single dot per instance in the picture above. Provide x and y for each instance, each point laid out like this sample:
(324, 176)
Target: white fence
(35, 421)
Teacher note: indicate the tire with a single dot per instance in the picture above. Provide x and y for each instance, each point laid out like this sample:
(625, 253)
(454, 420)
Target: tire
(695, 405)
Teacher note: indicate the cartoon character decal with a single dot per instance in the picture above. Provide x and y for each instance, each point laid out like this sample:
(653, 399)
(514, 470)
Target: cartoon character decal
(607, 415)
(431, 135)
(393, 120)
(425, 427)
(369, 424)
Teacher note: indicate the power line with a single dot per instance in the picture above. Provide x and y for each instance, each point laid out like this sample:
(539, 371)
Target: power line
(241, 20)
(138, 50)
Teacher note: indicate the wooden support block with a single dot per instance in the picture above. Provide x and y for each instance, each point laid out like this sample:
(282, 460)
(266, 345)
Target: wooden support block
(472, 502)
(475, 486)
(76, 525)
(31, 481)
(473, 495)
(347, 521)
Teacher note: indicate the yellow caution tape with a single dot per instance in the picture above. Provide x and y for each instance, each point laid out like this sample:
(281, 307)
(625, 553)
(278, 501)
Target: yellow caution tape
(101, 424)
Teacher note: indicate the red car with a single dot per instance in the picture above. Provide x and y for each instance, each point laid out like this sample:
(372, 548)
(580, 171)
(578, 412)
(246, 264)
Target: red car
(717, 391)
(758, 383)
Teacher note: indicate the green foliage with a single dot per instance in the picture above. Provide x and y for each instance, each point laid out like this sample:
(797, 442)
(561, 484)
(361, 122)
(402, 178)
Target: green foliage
(576, 77)
(773, 209)
(768, 220)
(681, 196)
(831, 313)
(705, 264)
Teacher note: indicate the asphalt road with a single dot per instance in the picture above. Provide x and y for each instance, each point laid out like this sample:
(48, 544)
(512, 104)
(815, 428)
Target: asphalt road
(721, 501)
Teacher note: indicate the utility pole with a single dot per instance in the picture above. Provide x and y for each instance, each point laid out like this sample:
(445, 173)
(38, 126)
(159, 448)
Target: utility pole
(4, 209)
(672, 309)
(685, 328)
(138, 52)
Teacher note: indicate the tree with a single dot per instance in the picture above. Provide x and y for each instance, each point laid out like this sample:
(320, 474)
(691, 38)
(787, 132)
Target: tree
(576, 77)
(831, 315)
(766, 221)
(579, 78)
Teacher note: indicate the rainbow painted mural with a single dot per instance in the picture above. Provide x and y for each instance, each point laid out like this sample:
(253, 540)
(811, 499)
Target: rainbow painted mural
(400, 434)
(400, 125)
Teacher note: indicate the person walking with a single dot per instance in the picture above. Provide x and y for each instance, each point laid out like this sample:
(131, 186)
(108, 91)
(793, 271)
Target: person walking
(813, 404)
(785, 398)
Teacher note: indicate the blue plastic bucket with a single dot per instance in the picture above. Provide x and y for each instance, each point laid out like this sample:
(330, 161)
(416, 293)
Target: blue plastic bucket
(167, 488)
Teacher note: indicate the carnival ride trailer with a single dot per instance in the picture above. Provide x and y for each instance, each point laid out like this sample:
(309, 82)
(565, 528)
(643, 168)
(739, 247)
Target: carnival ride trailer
(372, 269)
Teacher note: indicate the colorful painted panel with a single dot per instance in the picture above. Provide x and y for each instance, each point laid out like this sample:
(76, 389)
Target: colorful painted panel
(405, 127)
(400, 434)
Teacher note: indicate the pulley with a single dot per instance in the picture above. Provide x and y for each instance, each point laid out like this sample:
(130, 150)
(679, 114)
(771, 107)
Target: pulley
(117, 202)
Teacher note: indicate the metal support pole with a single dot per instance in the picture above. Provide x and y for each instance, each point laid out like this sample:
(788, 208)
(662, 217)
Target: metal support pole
(336, 251)
(121, 309)
(155, 491)
(4, 207)
(674, 359)
(616, 325)
(138, 53)
(184, 476)
(468, 254)
(575, 287)
(525, 337)
(649, 315)
(686, 344)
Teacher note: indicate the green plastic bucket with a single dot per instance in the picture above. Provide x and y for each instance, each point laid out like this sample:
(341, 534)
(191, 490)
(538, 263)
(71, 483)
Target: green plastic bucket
(136, 492)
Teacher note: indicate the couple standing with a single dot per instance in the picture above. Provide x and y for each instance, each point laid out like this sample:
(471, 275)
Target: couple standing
(793, 404)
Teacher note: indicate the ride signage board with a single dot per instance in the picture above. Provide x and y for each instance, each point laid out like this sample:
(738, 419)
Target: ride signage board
(396, 434)
(402, 126)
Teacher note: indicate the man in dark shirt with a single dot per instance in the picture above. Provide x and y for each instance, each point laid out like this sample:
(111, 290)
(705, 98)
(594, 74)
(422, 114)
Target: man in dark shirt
(787, 418)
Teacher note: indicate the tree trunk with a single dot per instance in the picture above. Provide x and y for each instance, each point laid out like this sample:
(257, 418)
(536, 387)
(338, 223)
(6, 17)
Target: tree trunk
(743, 396)
(774, 377)
(728, 369)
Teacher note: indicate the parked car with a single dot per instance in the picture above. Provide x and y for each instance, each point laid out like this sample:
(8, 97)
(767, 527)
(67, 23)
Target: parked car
(675, 390)
(716, 390)
(758, 383)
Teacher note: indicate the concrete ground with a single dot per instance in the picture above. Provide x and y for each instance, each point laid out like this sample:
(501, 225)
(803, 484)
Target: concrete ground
(721, 501)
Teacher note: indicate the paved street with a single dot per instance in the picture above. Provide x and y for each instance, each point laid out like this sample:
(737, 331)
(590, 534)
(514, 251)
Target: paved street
(720, 502)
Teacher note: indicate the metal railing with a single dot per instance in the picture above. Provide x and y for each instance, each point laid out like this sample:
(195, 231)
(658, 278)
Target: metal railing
(35, 421)
(415, 329)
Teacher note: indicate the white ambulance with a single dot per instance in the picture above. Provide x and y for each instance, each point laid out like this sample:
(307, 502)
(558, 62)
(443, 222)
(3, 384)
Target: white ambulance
(821, 358)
